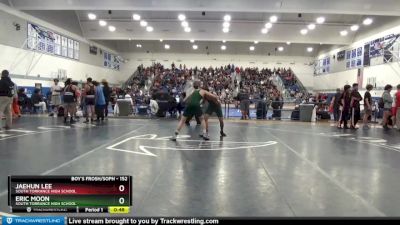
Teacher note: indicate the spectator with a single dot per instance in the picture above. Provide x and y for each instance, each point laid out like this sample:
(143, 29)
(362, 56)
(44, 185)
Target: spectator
(387, 107)
(89, 96)
(107, 96)
(100, 101)
(355, 106)
(38, 101)
(153, 106)
(7, 88)
(367, 106)
(55, 97)
(70, 100)
(23, 100)
(335, 104)
(345, 100)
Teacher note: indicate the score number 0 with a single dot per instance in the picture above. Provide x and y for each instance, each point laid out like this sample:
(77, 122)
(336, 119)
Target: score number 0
(121, 188)
(121, 200)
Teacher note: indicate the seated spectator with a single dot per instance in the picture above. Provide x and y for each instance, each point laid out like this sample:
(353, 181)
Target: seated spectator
(38, 101)
(23, 100)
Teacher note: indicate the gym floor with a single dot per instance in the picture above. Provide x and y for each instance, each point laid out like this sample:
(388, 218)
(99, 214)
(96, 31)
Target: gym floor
(262, 169)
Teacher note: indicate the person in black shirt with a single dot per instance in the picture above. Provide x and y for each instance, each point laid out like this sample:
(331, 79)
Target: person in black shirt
(335, 102)
(107, 95)
(37, 100)
(6, 97)
(355, 106)
(23, 100)
(367, 106)
(345, 102)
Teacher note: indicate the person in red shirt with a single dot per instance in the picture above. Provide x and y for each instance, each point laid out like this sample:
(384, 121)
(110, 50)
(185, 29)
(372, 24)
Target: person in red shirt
(396, 108)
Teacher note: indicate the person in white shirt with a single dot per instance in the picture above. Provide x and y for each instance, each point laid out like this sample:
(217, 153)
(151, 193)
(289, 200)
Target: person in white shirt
(153, 106)
(55, 96)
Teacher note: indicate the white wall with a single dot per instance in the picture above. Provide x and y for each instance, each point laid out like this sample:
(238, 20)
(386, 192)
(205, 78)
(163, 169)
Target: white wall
(18, 61)
(303, 72)
(388, 73)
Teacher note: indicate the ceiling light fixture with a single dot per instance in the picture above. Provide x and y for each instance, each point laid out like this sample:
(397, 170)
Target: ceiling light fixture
(188, 29)
(191, 41)
(223, 41)
(195, 47)
(273, 19)
(226, 24)
(311, 26)
(343, 33)
(264, 30)
(136, 17)
(102, 23)
(223, 47)
(309, 49)
(184, 24)
(161, 40)
(167, 46)
(138, 45)
(251, 48)
(149, 29)
(354, 27)
(280, 48)
(227, 18)
(181, 17)
(255, 42)
(367, 21)
(111, 28)
(143, 23)
(288, 43)
(225, 30)
(268, 25)
(304, 31)
(320, 20)
(92, 16)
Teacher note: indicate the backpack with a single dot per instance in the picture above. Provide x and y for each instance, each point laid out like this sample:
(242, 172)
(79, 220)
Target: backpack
(381, 104)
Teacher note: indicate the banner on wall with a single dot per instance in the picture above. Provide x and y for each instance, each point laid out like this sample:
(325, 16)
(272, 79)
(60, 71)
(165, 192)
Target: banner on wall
(47, 41)
(111, 61)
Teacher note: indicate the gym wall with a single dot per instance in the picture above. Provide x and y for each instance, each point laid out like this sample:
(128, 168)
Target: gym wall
(20, 61)
(388, 73)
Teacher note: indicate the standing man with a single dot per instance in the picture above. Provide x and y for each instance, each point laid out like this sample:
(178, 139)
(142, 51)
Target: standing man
(70, 100)
(355, 106)
(55, 97)
(100, 101)
(387, 106)
(6, 97)
(367, 106)
(89, 95)
(345, 103)
(335, 102)
(193, 108)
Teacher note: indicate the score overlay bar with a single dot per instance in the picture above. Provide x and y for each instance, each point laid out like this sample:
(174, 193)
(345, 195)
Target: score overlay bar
(68, 193)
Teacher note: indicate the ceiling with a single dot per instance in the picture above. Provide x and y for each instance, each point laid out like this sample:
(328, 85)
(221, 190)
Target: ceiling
(248, 18)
